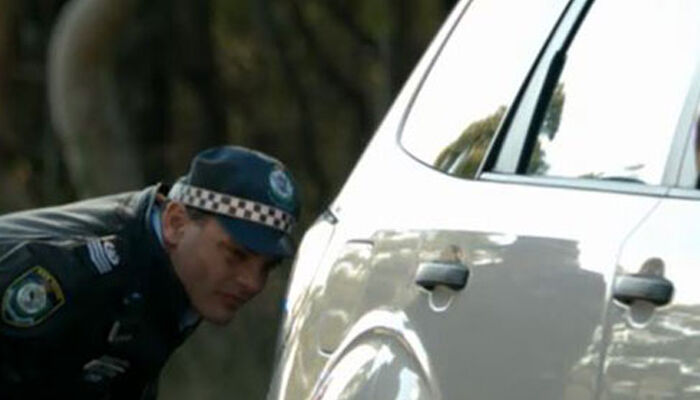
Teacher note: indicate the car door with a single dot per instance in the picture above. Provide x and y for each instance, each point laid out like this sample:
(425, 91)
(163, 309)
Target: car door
(653, 327)
(451, 276)
(653, 331)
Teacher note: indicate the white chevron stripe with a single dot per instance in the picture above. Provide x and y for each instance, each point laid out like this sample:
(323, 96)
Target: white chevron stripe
(98, 256)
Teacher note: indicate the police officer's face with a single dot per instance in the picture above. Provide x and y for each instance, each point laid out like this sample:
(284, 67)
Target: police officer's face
(218, 274)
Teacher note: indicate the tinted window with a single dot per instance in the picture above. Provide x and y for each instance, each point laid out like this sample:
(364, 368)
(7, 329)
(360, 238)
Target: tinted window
(474, 79)
(617, 106)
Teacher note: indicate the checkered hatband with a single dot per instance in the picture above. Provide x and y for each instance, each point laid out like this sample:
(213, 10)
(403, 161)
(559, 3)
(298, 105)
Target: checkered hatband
(234, 207)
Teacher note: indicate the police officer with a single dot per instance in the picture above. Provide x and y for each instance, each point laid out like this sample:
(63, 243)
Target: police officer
(97, 294)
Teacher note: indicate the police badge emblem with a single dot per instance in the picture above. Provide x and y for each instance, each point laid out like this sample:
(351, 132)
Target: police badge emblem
(31, 298)
(281, 188)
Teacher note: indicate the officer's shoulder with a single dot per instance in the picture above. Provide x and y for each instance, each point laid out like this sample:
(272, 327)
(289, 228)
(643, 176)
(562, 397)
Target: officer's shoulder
(42, 281)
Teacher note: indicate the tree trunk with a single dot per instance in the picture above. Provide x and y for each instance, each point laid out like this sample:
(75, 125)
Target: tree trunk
(306, 129)
(400, 49)
(193, 20)
(6, 18)
(83, 102)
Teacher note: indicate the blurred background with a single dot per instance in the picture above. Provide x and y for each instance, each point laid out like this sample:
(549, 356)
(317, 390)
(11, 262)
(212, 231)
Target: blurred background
(103, 96)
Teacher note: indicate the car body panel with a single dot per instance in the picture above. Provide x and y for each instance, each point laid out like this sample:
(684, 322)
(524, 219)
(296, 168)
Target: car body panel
(654, 352)
(540, 270)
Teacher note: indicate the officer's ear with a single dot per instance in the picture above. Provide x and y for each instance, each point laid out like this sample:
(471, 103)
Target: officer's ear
(175, 219)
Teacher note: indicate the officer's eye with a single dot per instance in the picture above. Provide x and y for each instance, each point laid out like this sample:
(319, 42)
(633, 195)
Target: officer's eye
(240, 255)
(234, 254)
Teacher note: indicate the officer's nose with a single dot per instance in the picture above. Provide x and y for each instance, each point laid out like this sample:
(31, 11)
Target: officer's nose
(253, 278)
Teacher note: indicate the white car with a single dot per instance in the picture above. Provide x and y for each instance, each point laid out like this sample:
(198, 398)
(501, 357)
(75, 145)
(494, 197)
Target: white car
(525, 223)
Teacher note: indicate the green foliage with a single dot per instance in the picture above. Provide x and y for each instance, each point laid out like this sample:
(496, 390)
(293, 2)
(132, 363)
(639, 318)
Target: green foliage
(550, 125)
(463, 157)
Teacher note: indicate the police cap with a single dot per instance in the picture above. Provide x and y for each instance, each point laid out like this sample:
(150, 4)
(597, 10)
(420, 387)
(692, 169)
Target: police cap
(252, 194)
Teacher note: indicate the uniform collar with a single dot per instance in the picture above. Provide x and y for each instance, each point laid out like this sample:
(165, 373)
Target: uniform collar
(157, 223)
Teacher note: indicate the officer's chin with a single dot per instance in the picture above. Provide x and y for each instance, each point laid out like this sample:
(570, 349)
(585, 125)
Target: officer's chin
(220, 318)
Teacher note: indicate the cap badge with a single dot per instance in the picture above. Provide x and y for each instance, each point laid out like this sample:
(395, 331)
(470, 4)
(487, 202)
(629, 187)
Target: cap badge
(281, 187)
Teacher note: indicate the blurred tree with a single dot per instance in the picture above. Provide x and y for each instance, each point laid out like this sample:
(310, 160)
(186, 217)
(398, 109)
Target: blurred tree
(32, 171)
(6, 60)
(550, 125)
(83, 96)
(113, 70)
(552, 118)
(463, 156)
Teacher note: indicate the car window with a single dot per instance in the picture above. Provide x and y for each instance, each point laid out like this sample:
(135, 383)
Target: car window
(474, 79)
(618, 103)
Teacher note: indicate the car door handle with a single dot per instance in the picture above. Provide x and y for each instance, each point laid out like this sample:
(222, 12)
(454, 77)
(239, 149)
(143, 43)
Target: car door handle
(654, 289)
(451, 274)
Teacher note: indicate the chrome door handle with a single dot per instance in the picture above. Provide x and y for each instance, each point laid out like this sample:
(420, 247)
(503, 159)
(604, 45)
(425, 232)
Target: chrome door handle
(654, 289)
(451, 274)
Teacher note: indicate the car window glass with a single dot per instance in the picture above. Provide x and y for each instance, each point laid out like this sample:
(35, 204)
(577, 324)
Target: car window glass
(616, 108)
(475, 78)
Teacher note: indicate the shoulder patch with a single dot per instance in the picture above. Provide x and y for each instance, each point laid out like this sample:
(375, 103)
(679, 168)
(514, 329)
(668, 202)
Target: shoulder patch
(103, 254)
(31, 298)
